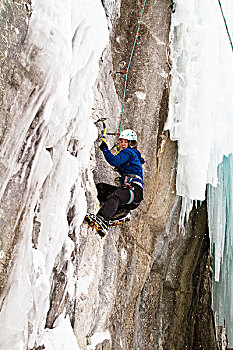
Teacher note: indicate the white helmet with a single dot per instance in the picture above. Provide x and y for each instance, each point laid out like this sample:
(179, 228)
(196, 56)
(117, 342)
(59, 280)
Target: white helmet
(129, 135)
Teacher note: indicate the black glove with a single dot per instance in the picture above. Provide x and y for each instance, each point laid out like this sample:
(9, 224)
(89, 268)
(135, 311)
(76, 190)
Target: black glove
(103, 145)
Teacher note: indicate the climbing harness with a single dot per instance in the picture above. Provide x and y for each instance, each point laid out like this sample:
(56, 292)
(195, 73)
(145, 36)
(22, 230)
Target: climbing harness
(133, 179)
(127, 180)
(228, 33)
(127, 183)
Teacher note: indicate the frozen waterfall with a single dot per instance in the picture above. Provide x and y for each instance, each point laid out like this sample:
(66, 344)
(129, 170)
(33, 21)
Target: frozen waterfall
(65, 41)
(220, 217)
(63, 286)
(201, 120)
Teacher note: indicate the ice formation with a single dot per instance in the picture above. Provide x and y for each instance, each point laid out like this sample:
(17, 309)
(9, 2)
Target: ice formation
(70, 37)
(220, 218)
(200, 106)
(201, 120)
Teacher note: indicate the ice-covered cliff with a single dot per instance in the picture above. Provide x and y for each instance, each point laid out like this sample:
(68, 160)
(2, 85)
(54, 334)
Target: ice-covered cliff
(46, 122)
(146, 285)
(200, 119)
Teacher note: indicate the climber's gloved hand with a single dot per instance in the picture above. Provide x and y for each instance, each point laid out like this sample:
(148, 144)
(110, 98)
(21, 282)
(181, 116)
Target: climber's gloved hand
(103, 145)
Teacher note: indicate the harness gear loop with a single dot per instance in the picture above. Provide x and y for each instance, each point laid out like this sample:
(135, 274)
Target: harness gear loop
(128, 184)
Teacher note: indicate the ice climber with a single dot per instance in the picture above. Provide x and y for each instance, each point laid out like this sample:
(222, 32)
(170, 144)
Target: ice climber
(117, 201)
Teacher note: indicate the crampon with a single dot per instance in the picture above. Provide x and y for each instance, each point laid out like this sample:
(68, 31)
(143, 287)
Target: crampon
(119, 219)
(96, 223)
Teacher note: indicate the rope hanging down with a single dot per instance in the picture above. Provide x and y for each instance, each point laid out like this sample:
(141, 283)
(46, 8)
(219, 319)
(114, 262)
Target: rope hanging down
(130, 59)
(228, 33)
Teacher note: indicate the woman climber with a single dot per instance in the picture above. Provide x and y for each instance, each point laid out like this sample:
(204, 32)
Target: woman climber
(118, 201)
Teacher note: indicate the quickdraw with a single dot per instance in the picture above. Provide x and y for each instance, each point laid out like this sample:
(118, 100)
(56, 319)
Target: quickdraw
(127, 182)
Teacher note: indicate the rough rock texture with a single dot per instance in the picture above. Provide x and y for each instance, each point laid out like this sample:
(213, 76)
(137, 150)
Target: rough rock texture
(150, 285)
(163, 280)
(14, 24)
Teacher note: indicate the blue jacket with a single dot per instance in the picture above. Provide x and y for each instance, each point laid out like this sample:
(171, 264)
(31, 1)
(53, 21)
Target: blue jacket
(128, 161)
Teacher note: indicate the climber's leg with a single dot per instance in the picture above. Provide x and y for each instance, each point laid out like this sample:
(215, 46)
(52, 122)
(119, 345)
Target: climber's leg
(118, 198)
(104, 190)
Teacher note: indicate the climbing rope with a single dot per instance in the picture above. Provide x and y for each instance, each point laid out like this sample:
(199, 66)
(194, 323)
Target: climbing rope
(130, 59)
(228, 33)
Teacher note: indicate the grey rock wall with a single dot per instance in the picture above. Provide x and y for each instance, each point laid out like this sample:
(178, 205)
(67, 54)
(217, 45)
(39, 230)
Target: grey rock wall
(14, 24)
(164, 278)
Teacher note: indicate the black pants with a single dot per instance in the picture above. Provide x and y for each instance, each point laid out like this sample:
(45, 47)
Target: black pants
(115, 199)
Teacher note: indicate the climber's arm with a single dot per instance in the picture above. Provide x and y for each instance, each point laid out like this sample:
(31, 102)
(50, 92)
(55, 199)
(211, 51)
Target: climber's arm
(117, 160)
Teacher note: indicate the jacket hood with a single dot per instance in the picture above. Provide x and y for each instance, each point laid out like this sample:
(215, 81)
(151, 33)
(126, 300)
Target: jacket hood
(139, 155)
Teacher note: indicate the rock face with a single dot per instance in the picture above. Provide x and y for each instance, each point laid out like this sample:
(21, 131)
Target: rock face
(146, 285)
(14, 19)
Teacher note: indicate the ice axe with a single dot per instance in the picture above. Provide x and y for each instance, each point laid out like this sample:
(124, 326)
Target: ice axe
(104, 131)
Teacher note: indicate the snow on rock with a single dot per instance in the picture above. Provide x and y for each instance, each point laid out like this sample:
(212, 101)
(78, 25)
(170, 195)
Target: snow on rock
(141, 95)
(65, 41)
(61, 336)
(98, 338)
